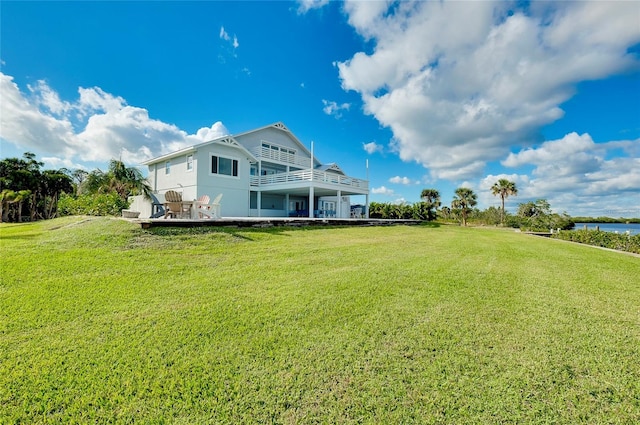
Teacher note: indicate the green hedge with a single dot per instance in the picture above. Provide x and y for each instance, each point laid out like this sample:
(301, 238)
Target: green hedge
(99, 204)
(621, 242)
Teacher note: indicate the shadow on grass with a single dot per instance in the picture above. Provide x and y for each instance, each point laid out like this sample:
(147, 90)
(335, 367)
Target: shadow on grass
(19, 237)
(244, 232)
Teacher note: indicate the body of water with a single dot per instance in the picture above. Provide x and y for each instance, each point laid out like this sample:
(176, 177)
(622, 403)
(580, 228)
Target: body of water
(633, 228)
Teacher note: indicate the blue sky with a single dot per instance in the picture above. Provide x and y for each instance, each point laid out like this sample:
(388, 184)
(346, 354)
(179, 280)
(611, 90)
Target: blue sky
(432, 94)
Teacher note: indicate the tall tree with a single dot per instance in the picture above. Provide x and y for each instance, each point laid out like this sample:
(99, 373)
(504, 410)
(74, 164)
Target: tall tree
(54, 182)
(464, 201)
(504, 188)
(431, 197)
(21, 174)
(79, 176)
(28, 189)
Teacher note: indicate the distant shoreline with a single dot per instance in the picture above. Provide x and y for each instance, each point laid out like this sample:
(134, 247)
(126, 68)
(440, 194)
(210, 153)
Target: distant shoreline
(597, 220)
(613, 227)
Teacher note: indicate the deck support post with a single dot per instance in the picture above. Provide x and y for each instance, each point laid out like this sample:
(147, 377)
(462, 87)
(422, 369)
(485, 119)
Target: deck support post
(311, 203)
(286, 203)
(259, 202)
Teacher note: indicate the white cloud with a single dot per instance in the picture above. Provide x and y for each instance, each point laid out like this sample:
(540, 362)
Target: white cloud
(217, 130)
(48, 98)
(456, 99)
(402, 180)
(578, 175)
(306, 5)
(372, 147)
(224, 35)
(23, 123)
(231, 42)
(399, 201)
(97, 127)
(53, 162)
(333, 108)
(382, 190)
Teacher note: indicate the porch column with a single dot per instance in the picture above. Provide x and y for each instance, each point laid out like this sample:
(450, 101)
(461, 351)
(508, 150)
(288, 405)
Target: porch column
(259, 199)
(286, 204)
(366, 206)
(339, 205)
(311, 203)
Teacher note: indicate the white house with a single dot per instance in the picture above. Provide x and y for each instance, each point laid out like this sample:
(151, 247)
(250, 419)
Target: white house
(265, 172)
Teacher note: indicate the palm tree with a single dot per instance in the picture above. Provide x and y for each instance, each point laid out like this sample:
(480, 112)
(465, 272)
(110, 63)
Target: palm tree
(431, 197)
(445, 212)
(504, 188)
(7, 196)
(463, 201)
(21, 196)
(123, 180)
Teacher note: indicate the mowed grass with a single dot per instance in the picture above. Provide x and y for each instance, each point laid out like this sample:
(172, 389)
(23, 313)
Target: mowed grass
(101, 322)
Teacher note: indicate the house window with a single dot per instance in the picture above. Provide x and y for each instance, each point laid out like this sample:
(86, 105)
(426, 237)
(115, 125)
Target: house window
(167, 167)
(278, 148)
(189, 162)
(224, 166)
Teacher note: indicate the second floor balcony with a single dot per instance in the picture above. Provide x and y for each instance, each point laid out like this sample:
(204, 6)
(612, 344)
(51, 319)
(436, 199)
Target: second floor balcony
(282, 156)
(315, 176)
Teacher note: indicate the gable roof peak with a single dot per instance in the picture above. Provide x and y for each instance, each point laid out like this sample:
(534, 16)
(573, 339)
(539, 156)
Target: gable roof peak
(280, 125)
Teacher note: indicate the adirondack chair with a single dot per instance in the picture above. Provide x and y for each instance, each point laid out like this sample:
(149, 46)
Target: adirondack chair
(215, 206)
(173, 204)
(211, 210)
(157, 207)
(203, 206)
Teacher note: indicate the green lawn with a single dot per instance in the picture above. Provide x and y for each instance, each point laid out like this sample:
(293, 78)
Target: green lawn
(101, 321)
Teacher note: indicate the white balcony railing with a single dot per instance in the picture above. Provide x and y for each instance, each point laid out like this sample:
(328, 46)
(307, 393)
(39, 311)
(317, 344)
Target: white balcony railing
(308, 175)
(269, 154)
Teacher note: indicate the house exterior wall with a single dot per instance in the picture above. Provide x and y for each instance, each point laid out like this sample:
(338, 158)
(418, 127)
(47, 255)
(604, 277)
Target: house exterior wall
(179, 178)
(341, 209)
(235, 190)
(201, 181)
(273, 135)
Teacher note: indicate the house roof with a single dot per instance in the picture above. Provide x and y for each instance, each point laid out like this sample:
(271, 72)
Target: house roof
(224, 140)
(231, 140)
(280, 126)
(331, 167)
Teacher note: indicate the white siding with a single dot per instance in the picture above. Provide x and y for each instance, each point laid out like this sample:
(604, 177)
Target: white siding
(235, 190)
(179, 179)
(273, 135)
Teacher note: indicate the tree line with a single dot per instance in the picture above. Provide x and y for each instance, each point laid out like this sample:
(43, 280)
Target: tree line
(27, 192)
(533, 215)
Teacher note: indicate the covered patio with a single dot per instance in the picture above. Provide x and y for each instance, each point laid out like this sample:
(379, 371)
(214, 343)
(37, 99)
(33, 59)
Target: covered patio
(306, 193)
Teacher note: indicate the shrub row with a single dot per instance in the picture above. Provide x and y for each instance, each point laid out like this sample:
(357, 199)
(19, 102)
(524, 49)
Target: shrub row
(621, 242)
(98, 204)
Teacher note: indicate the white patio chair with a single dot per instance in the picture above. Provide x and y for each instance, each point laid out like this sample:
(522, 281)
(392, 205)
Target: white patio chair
(209, 210)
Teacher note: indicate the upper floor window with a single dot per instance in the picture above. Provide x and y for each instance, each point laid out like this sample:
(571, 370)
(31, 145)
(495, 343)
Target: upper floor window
(278, 148)
(189, 162)
(224, 166)
(167, 167)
